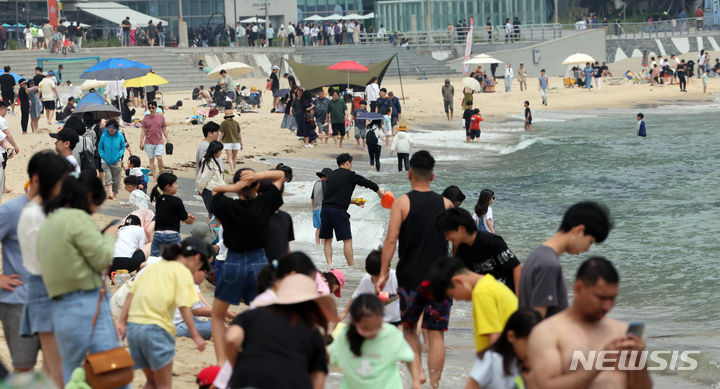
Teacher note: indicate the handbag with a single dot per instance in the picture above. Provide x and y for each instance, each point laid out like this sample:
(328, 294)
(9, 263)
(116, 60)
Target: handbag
(110, 368)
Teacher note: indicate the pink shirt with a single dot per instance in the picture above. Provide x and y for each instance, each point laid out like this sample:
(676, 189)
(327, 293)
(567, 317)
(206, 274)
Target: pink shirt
(153, 126)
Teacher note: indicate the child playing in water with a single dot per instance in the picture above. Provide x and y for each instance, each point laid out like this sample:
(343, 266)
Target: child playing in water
(391, 313)
(528, 116)
(368, 350)
(641, 125)
(499, 365)
(475, 120)
(169, 212)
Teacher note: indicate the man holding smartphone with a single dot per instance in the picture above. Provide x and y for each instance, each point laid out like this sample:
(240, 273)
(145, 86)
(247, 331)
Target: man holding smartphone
(585, 328)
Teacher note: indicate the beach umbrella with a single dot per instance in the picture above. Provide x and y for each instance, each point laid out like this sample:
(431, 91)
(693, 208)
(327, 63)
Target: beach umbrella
(578, 58)
(472, 84)
(101, 111)
(89, 84)
(114, 69)
(370, 116)
(332, 17)
(146, 80)
(16, 76)
(233, 69)
(482, 59)
(371, 15)
(314, 18)
(253, 19)
(349, 67)
(352, 16)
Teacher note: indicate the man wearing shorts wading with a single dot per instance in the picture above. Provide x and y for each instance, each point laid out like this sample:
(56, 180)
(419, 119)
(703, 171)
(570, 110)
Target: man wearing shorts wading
(339, 187)
(153, 129)
(448, 91)
(421, 244)
(337, 111)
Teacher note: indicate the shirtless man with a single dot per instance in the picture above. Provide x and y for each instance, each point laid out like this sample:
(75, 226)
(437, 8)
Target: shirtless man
(583, 327)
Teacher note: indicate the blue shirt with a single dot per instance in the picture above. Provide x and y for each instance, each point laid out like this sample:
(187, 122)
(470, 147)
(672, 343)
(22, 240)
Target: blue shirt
(588, 72)
(111, 147)
(396, 109)
(11, 255)
(543, 82)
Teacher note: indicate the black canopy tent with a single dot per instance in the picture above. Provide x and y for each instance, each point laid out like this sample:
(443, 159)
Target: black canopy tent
(313, 77)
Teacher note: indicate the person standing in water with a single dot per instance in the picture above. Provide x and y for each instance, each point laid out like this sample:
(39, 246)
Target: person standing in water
(641, 125)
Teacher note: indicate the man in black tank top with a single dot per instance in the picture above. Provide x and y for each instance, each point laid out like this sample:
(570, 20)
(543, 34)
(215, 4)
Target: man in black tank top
(412, 222)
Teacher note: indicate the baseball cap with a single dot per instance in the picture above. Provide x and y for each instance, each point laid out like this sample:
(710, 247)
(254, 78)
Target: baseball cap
(275, 67)
(66, 134)
(324, 172)
(207, 375)
(204, 232)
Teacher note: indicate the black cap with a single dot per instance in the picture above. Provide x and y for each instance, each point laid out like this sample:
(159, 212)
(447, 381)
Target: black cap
(67, 134)
(324, 172)
(194, 244)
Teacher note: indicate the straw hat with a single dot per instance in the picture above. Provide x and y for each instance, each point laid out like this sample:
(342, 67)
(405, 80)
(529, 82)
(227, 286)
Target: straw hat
(402, 127)
(299, 288)
(229, 113)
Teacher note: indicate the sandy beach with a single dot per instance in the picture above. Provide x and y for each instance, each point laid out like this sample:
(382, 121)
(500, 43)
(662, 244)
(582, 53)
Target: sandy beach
(263, 137)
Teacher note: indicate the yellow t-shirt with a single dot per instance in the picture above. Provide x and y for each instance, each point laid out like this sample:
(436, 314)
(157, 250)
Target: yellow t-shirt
(493, 303)
(158, 291)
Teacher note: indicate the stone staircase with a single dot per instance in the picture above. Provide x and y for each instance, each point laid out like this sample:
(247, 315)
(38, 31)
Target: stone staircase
(413, 62)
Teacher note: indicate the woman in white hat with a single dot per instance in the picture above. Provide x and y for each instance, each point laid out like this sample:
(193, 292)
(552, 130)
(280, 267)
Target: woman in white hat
(284, 334)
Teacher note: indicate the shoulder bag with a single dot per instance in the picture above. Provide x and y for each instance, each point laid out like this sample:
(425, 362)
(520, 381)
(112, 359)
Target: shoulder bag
(110, 368)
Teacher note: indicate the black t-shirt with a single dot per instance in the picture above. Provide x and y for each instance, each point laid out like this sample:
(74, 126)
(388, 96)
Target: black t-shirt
(340, 185)
(467, 116)
(383, 105)
(275, 82)
(528, 115)
(279, 234)
(7, 82)
(489, 254)
(277, 353)
(37, 79)
(680, 69)
(125, 25)
(169, 212)
(245, 221)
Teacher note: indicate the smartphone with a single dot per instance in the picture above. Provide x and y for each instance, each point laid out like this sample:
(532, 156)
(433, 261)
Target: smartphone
(636, 329)
(112, 223)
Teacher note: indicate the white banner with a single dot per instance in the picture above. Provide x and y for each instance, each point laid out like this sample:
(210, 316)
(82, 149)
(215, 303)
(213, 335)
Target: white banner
(468, 45)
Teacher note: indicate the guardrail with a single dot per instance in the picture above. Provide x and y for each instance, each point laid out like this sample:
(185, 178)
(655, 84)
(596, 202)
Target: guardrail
(659, 29)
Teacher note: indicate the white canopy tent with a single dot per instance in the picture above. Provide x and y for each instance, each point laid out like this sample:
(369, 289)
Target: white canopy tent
(314, 18)
(352, 16)
(253, 19)
(371, 15)
(333, 17)
(116, 13)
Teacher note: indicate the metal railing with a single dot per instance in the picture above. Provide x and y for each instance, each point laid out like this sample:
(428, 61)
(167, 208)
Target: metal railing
(659, 29)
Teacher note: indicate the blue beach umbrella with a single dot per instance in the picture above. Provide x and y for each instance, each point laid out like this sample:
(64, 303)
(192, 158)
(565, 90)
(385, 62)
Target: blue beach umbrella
(370, 116)
(114, 69)
(91, 98)
(16, 76)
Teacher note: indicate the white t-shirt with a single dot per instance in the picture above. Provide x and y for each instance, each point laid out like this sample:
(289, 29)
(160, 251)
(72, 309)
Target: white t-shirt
(392, 310)
(3, 136)
(32, 218)
(489, 374)
(130, 238)
(177, 319)
(73, 162)
(488, 215)
(372, 92)
(138, 200)
(46, 89)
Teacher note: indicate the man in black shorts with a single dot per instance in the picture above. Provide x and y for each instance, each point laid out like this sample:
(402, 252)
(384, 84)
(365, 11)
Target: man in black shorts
(7, 88)
(421, 244)
(339, 187)
(337, 112)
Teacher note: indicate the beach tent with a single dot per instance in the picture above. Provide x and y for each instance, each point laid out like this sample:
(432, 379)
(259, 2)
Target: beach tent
(253, 19)
(317, 76)
(91, 98)
(314, 18)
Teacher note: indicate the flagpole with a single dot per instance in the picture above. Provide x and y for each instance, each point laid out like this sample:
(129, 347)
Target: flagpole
(397, 61)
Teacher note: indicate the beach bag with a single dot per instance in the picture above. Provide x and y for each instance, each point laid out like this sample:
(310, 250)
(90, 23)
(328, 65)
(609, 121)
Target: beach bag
(110, 368)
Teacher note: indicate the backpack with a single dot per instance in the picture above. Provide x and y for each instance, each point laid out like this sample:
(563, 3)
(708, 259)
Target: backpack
(87, 157)
(370, 137)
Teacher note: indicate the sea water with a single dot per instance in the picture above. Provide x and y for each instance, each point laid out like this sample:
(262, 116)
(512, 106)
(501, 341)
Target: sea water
(662, 192)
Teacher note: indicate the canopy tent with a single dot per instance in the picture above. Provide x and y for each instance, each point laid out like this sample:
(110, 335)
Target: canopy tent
(352, 16)
(317, 76)
(333, 17)
(116, 13)
(371, 15)
(253, 19)
(314, 18)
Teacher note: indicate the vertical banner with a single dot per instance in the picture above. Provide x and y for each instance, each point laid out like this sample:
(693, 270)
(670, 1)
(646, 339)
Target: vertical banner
(52, 7)
(468, 45)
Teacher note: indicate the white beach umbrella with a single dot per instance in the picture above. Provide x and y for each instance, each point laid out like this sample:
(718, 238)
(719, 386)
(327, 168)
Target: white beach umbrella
(352, 16)
(253, 19)
(233, 69)
(333, 17)
(88, 84)
(482, 59)
(578, 58)
(371, 15)
(314, 18)
(472, 84)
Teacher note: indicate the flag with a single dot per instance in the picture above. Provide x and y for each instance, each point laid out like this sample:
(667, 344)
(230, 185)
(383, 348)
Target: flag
(468, 45)
(52, 12)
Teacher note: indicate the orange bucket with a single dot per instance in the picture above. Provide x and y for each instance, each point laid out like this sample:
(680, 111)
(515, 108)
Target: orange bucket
(387, 200)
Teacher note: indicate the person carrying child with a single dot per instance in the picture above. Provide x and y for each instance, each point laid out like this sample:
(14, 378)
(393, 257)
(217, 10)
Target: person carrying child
(475, 120)
(154, 295)
(169, 212)
(368, 350)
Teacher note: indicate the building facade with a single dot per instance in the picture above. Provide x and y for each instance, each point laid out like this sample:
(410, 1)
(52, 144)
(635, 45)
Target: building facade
(398, 15)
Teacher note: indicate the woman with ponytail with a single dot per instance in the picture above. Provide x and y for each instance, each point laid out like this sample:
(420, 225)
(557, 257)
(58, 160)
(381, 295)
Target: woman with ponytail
(210, 174)
(368, 350)
(169, 212)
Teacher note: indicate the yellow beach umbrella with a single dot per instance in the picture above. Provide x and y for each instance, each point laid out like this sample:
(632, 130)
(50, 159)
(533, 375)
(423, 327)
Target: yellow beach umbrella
(146, 80)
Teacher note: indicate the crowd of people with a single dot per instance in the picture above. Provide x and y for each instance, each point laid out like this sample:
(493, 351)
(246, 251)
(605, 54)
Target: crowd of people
(63, 38)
